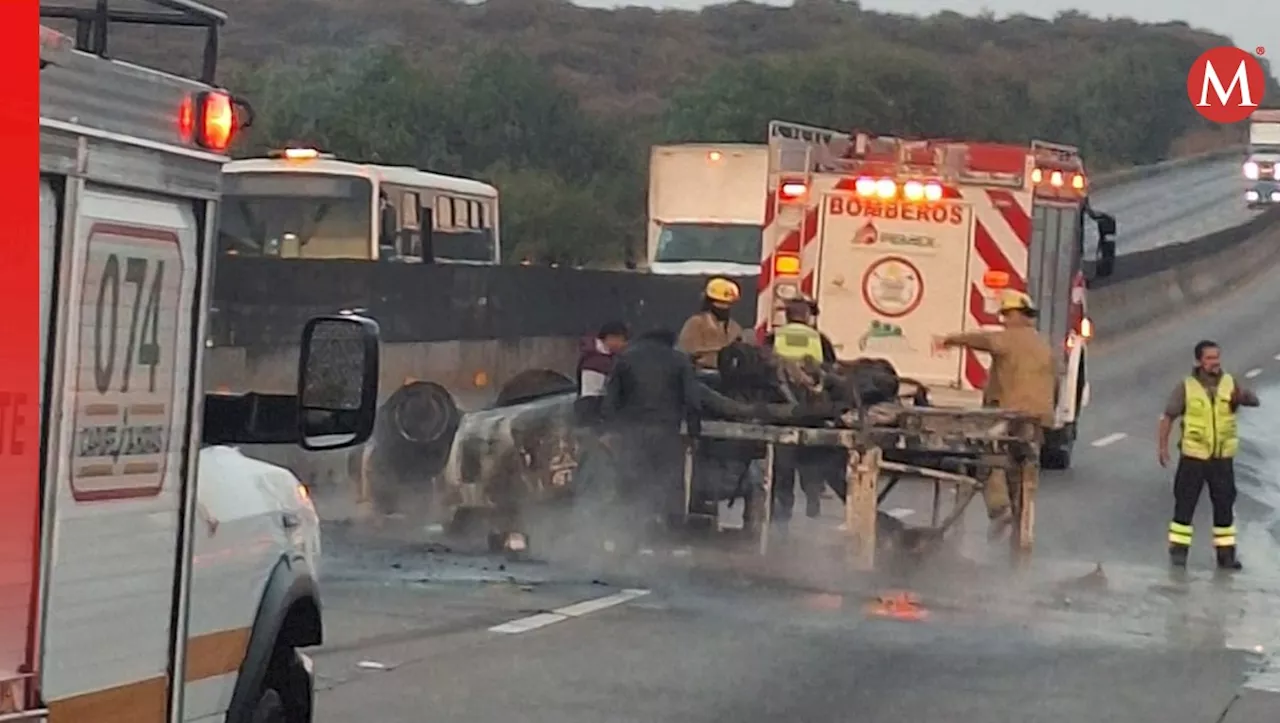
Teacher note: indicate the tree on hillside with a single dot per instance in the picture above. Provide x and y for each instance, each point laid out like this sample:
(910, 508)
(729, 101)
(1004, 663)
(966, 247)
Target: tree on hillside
(500, 90)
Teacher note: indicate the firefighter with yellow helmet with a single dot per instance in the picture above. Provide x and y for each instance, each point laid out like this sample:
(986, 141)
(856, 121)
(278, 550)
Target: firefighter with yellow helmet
(1023, 379)
(711, 329)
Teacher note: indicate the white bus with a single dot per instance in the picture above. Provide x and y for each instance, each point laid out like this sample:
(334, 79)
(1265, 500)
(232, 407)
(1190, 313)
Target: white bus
(299, 203)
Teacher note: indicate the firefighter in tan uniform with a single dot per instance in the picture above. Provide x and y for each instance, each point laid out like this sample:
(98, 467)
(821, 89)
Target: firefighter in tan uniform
(709, 330)
(1206, 400)
(1022, 379)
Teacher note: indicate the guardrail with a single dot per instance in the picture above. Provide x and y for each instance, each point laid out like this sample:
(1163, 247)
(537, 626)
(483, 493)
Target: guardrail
(1117, 178)
(1155, 284)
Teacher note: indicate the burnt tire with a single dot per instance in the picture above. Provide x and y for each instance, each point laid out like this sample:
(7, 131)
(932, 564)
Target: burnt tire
(421, 414)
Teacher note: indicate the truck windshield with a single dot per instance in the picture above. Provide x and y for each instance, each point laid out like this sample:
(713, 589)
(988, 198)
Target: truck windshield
(296, 215)
(731, 243)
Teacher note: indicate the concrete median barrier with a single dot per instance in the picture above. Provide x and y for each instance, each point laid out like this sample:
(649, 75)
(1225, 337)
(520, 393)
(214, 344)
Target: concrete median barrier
(1128, 175)
(1153, 285)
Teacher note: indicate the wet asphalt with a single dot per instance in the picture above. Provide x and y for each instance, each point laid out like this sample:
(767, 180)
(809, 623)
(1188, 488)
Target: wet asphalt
(1096, 629)
(1175, 207)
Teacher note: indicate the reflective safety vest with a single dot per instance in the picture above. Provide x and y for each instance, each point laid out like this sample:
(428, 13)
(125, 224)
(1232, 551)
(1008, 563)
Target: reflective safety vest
(797, 341)
(1209, 425)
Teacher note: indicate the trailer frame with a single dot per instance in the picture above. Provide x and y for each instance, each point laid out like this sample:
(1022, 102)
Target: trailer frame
(981, 442)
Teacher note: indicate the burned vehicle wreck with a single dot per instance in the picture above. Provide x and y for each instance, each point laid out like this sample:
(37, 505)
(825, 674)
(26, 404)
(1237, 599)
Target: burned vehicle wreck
(526, 452)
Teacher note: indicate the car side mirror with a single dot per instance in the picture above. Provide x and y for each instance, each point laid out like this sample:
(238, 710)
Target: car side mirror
(1106, 225)
(1106, 263)
(337, 381)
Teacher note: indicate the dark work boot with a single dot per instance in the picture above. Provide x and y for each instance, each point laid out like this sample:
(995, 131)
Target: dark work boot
(1227, 559)
(1178, 555)
(813, 505)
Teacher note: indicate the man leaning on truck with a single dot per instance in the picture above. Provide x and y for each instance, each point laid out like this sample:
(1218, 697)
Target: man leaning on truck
(1022, 379)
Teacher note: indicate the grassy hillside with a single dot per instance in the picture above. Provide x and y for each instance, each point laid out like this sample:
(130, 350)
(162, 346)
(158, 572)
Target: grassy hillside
(560, 102)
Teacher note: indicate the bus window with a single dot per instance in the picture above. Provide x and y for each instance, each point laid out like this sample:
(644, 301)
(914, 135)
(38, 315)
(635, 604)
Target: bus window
(297, 215)
(463, 229)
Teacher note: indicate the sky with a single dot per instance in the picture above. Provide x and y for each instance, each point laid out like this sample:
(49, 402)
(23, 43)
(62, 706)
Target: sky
(1253, 23)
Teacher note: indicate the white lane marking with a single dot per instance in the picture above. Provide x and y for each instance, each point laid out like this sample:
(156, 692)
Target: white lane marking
(1109, 439)
(541, 620)
(600, 603)
(1252, 373)
(524, 625)
(1276, 357)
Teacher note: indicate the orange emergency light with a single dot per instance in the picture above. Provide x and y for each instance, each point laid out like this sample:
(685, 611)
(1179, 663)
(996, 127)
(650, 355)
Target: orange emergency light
(209, 119)
(995, 279)
(786, 265)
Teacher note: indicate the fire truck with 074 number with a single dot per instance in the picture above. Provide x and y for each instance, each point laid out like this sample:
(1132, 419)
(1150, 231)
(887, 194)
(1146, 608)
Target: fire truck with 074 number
(149, 571)
(903, 240)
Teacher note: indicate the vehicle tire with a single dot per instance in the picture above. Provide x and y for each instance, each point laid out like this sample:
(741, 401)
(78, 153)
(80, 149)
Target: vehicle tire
(291, 685)
(1056, 452)
(269, 709)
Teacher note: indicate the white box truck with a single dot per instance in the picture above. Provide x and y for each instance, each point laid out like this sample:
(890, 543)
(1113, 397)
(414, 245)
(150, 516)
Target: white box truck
(706, 208)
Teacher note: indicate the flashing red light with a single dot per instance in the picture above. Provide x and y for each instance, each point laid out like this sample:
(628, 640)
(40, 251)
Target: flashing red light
(208, 119)
(186, 119)
(791, 191)
(217, 120)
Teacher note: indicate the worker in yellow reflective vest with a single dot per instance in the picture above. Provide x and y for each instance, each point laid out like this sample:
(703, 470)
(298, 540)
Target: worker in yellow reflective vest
(798, 340)
(1207, 401)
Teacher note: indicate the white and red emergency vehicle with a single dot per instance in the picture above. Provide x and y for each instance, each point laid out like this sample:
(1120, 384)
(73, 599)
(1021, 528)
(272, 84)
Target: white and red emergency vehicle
(150, 572)
(901, 241)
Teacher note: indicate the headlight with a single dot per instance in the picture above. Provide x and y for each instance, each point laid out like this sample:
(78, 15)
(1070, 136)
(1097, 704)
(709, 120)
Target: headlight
(1251, 171)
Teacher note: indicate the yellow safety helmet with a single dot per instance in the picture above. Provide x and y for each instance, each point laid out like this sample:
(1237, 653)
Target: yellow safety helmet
(722, 290)
(1017, 301)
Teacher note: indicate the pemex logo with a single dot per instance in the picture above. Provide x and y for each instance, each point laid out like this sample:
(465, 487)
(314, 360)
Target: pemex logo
(1226, 85)
(867, 235)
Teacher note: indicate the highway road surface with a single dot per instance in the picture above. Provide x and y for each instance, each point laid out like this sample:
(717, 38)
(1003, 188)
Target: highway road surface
(1175, 207)
(1097, 630)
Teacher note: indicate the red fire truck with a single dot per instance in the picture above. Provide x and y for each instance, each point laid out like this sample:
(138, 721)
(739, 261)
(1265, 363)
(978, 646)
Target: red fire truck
(902, 240)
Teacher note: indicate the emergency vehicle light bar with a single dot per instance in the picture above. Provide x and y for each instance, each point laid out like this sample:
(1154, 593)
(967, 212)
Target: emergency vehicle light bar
(299, 154)
(1057, 178)
(887, 189)
(93, 24)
